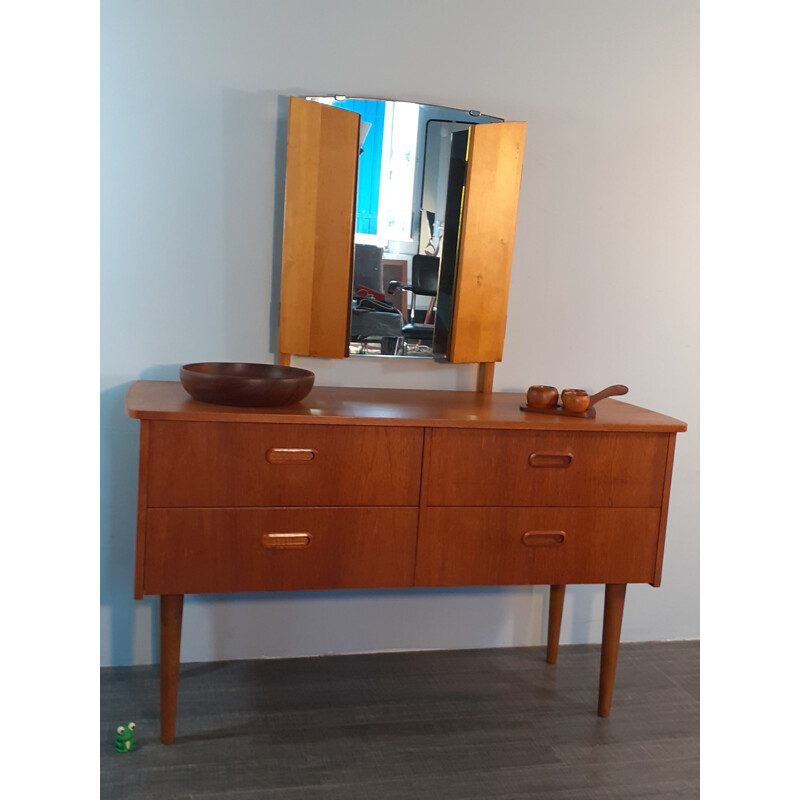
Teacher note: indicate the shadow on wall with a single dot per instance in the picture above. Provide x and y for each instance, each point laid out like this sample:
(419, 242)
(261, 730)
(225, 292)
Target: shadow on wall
(123, 631)
(254, 177)
(581, 621)
(296, 624)
(119, 441)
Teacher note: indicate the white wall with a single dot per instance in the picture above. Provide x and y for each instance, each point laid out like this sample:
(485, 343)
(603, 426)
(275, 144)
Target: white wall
(604, 286)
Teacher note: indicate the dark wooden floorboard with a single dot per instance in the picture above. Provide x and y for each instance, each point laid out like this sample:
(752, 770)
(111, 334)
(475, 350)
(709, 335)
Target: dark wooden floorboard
(450, 725)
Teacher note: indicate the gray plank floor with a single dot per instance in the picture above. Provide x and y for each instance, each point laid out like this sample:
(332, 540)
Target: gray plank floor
(455, 724)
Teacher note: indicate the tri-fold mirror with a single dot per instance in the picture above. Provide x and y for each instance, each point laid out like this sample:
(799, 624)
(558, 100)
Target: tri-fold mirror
(398, 235)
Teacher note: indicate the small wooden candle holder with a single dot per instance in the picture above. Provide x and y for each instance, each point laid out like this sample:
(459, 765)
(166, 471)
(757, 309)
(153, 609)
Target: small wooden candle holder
(574, 398)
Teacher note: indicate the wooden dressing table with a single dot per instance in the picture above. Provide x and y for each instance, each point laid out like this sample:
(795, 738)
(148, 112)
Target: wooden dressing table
(379, 488)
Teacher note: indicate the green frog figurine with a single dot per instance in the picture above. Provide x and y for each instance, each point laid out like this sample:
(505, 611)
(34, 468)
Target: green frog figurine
(126, 738)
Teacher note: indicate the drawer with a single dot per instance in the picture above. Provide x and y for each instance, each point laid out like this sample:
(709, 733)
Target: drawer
(249, 550)
(497, 546)
(206, 464)
(546, 468)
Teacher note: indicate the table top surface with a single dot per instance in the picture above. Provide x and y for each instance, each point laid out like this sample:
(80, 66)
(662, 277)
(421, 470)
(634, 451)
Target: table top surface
(334, 405)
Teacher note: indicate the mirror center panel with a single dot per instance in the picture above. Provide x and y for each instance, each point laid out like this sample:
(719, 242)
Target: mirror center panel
(403, 227)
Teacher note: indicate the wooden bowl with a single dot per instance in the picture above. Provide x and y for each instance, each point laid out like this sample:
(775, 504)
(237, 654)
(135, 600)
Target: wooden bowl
(575, 399)
(542, 397)
(259, 385)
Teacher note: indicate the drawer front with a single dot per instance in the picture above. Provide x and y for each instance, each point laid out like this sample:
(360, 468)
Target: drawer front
(517, 546)
(249, 550)
(546, 468)
(207, 464)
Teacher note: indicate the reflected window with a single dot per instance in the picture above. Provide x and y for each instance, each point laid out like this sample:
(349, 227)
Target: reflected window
(398, 168)
(386, 168)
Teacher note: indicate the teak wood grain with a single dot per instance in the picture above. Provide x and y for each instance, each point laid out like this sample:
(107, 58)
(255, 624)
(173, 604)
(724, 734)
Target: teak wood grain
(370, 488)
(208, 464)
(141, 511)
(547, 468)
(395, 408)
(486, 241)
(214, 550)
(485, 377)
(554, 614)
(171, 622)
(318, 228)
(662, 528)
(612, 625)
(485, 546)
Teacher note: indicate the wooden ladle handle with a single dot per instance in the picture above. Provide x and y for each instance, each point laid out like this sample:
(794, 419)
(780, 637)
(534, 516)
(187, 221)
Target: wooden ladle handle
(612, 391)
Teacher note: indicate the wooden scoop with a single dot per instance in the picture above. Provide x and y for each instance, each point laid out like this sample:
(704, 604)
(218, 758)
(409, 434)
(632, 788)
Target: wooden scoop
(611, 391)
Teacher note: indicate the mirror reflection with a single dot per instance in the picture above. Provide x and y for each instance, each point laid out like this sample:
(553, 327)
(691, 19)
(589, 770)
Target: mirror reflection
(408, 202)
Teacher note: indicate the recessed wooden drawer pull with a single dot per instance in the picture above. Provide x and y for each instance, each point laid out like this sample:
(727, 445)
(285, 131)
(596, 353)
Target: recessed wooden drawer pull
(550, 459)
(285, 540)
(543, 538)
(290, 455)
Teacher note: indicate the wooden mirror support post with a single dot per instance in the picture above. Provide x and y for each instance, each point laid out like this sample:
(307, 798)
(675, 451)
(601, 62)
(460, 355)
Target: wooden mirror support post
(486, 377)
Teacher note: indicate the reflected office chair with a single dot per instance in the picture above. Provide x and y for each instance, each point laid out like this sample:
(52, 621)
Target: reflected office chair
(368, 267)
(372, 319)
(425, 282)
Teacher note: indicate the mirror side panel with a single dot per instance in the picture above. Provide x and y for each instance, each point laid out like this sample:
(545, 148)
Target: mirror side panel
(486, 241)
(454, 198)
(318, 228)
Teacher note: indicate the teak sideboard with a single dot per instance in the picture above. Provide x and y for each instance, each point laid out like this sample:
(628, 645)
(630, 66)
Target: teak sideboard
(380, 488)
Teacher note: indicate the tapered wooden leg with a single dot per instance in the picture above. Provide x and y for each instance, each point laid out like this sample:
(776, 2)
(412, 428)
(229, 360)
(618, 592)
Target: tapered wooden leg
(554, 621)
(171, 618)
(612, 625)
